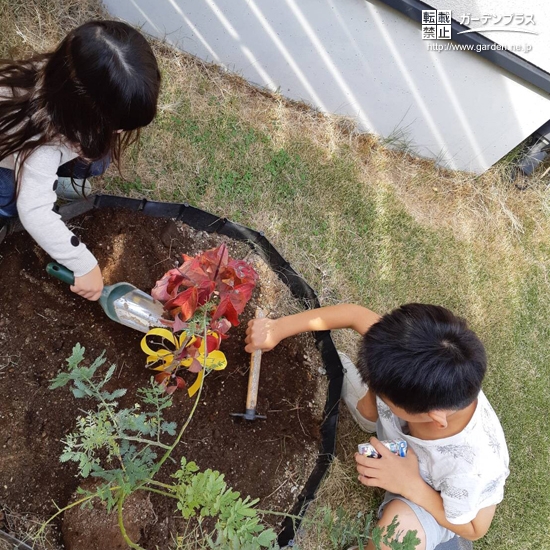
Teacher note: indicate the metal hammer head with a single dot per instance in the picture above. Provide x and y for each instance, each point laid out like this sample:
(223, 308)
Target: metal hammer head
(249, 414)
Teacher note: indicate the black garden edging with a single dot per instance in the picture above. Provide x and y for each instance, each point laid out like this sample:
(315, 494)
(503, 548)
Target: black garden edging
(204, 221)
(17, 544)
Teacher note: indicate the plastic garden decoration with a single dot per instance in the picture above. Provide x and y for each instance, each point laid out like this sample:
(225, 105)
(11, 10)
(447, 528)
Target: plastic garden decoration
(202, 300)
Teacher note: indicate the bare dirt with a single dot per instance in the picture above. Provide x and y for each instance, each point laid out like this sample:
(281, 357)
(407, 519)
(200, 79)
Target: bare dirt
(40, 322)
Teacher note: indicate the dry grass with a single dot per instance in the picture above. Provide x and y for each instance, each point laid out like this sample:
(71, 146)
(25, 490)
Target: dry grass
(37, 26)
(362, 223)
(25, 527)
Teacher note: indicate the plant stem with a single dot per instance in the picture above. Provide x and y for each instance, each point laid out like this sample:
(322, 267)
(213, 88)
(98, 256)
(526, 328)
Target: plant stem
(160, 484)
(272, 513)
(144, 441)
(122, 528)
(156, 491)
(183, 428)
(158, 416)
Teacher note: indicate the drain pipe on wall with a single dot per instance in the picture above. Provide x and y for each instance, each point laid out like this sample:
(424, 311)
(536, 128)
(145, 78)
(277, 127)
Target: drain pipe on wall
(537, 152)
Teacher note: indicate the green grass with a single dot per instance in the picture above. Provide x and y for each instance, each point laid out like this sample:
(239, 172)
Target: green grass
(350, 231)
(377, 227)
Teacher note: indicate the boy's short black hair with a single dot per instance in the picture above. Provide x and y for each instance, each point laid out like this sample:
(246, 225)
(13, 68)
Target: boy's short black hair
(423, 358)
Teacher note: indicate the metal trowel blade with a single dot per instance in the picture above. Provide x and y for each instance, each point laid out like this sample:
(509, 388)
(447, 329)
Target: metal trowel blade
(132, 307)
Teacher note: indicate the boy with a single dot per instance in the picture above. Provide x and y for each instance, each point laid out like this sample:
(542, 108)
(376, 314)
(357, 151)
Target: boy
(420, 373)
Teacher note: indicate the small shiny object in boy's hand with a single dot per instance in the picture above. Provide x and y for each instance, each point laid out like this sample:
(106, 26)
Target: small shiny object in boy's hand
(396, 446)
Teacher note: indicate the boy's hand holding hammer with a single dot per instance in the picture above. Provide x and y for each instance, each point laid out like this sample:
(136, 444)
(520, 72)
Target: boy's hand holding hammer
(262, 334)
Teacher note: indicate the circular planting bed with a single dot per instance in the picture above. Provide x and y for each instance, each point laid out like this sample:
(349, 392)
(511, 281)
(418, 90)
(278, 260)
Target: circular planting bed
(41, 321)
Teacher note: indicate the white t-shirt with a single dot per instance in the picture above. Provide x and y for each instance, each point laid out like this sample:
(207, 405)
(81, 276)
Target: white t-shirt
(467, 469)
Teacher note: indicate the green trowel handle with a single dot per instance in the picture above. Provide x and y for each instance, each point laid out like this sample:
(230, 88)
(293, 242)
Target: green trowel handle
(60, 272)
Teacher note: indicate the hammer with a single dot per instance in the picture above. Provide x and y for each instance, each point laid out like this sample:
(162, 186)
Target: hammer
(253, 380)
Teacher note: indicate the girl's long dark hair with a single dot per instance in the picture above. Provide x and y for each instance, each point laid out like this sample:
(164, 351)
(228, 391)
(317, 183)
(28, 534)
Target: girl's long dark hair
(103, 77)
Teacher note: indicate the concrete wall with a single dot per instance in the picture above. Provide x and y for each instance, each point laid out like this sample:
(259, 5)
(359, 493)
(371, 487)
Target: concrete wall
(362, 59)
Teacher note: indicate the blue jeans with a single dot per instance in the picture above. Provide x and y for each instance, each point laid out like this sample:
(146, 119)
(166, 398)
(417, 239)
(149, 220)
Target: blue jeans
(75, 168)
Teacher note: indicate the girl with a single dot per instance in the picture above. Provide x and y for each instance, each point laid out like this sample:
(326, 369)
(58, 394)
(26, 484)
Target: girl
(66, 113)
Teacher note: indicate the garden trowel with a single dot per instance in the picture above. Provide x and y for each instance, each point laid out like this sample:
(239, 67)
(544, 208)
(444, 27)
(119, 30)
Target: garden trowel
(122, 302)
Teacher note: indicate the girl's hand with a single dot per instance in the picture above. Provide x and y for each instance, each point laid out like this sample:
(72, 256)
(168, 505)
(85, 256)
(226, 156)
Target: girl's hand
(263, 334)
(89, 286)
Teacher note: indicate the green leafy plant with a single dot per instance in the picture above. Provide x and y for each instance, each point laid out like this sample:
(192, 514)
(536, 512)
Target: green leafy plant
(206, 493)
(338, 528)
(122, 446)
(409, 541)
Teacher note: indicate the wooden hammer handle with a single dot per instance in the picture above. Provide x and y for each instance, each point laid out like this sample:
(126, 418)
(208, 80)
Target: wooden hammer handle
(254, 374)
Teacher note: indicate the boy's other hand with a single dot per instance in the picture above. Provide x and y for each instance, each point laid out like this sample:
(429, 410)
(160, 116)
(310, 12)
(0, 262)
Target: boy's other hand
(262, 334)
(89, 286)
(393, 473)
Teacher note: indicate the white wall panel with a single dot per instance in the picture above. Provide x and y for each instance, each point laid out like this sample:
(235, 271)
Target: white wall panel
(362, 59)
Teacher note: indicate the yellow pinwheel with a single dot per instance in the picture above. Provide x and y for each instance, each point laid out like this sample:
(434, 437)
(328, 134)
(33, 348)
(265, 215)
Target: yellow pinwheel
(166, 352)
